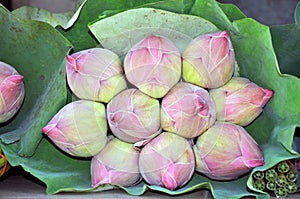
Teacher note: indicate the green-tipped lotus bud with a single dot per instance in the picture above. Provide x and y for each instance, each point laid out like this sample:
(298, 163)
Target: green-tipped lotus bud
(240, 101)
(153, 65)
(291, 187)
(79, 128)
(95, 74)
(187, 110)
(134, 117)
(271, 175)
(258, 175)
(208, 61)
(117, 164)
(271, 185)
(259, 184)
(167, 161)
(226, 151)
(283, 167)
(280, 192)
(12, 91)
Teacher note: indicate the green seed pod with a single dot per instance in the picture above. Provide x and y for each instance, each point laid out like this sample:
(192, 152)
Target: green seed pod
(283, 167)
(291, 187)
(259, 175)
(271, 185)
(259, 185)
(291, 176)
(280, 192)
(271, 175)
(281, 180)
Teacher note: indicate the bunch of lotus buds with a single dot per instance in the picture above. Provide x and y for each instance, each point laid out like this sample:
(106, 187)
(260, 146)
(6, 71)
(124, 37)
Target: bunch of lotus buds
(160, 115)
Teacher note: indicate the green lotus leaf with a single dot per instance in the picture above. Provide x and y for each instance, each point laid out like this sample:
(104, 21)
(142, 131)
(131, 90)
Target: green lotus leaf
(37, 51)
(65, 20)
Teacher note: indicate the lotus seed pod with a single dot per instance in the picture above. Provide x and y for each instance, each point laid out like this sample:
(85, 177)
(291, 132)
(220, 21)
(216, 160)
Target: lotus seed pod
(271, 175)
(134, 117)
(291, 176)
(271, 185)
(12, 91)
(259, 184)
(281, 180)
(187, 110)
(153, 65)
(283, 167)
(226, 151)
(95, 74)
(117, 164)
(209, 60)
(79, 128)
(240, 101)
(291, 187)
(167, 161)
(258, 175)
(280, 192)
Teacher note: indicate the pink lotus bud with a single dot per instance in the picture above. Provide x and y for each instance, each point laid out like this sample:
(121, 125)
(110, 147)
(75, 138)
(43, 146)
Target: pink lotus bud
(153, 65)
(95, 74)
(79, 128)
(167, 160)
(187, 110)
(208, 61)
(12, 92)
(134, 117)
(116, 164)
(240, 101)
(226, 151)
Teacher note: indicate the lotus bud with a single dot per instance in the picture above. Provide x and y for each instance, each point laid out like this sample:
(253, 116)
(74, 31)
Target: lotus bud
(95, 74)
(153, 65)
(209, 60)
(226, 151)
(240, 101)
(134, 117)
(12, 91)
(167, 161)
(117, 163)
(79, 128)
(187, 110)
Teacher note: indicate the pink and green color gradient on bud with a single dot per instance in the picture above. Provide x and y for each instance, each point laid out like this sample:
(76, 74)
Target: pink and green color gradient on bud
(240, 101)
(187, 110)
(209, 60)
(153, 65)
(226, 151)
(167, 161)
(12, 91)
(95, 74)
(79, 128)
(134, 117)
(116, 164)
